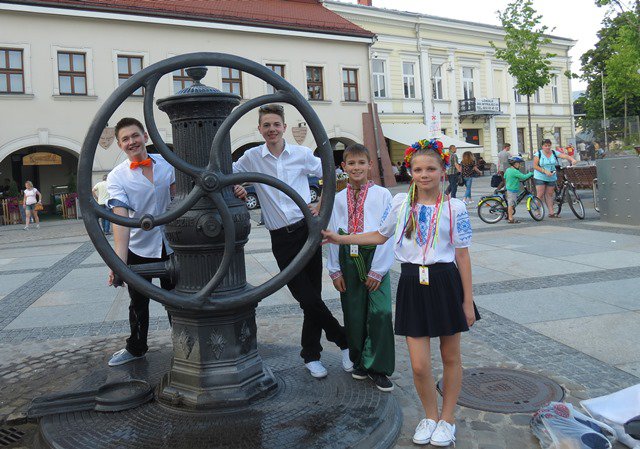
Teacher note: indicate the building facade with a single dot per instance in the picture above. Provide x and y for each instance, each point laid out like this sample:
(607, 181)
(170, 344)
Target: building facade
(61, 60)
(427, 69)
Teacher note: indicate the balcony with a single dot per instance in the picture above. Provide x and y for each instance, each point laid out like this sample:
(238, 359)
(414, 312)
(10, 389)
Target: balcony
(476, 108)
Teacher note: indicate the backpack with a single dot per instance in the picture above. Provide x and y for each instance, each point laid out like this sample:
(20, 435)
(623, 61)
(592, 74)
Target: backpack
(552, 152)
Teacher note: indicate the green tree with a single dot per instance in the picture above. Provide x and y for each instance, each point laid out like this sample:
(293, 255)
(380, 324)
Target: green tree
(623, 66)
(610, 66)
(523, 42)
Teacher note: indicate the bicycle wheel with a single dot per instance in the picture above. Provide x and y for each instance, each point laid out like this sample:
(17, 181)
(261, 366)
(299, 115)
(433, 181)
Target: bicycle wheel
(491, 210)
(575, 203)
(536, 208)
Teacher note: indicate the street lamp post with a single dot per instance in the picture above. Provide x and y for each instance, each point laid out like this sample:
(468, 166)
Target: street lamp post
(605, 125)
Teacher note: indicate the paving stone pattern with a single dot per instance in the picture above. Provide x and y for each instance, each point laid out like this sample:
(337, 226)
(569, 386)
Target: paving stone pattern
(22, 297)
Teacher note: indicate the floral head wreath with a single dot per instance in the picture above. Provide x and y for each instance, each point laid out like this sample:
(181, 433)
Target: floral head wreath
(425, 144)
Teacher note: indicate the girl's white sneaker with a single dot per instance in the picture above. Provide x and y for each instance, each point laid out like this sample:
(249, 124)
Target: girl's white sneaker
(444, 435)
(424, 431)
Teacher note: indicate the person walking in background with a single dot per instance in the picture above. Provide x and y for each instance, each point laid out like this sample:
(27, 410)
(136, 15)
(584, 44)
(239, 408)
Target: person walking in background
(31, 197)
(101, 195)
(453, 171)
(503, 163)
(468, 169)
(503, 159)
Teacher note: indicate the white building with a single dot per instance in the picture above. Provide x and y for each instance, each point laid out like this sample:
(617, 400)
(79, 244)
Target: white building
(423, 64)
(61, 59)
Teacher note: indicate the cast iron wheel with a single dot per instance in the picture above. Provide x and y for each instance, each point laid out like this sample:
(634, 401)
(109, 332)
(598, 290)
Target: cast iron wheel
(491, 210)
(209, 181)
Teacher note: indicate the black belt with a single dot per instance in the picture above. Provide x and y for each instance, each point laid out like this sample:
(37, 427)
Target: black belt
(290, 228)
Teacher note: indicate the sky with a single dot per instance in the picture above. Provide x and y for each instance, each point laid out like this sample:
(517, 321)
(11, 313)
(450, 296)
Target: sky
(579, 20)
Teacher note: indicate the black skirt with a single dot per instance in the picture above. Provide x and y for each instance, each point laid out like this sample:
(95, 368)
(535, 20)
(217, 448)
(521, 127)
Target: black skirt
(432, 310)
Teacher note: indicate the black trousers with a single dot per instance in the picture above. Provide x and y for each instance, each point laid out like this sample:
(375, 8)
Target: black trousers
(139, 307)
(306, 288)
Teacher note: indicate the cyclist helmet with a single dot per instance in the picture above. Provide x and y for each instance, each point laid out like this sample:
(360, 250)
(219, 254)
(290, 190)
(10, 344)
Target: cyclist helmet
(514, 159)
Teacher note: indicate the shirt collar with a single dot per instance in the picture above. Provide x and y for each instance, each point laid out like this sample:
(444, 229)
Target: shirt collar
(265, 151)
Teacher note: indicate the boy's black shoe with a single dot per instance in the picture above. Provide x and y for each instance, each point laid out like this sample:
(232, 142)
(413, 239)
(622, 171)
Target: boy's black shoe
(359, 374)
(382, 382)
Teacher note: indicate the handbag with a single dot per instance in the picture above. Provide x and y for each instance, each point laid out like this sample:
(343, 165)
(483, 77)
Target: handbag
(460, 181)
(39, 207)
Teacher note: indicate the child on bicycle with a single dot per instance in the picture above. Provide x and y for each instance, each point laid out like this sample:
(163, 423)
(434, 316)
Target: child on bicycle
(512, 178)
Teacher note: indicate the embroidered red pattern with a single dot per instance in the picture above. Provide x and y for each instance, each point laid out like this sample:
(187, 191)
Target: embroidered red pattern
(355, 208)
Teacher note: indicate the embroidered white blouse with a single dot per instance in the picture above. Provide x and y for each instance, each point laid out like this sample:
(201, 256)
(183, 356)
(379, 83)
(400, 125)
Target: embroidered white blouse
(375, 204)
(412, 250)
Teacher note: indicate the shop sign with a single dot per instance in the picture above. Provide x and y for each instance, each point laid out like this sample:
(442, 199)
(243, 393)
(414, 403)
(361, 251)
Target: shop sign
(42, 159)
(487, 105)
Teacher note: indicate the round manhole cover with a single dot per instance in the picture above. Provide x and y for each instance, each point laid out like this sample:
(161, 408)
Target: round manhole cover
(504, 390)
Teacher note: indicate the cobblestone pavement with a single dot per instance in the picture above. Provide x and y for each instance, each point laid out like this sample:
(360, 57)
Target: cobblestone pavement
(565, 309)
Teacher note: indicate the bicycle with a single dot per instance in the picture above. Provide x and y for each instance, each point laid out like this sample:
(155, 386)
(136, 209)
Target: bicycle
(565, 192)
(493, 208)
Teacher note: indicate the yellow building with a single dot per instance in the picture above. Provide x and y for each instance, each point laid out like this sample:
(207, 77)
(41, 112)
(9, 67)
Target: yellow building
(424, 66)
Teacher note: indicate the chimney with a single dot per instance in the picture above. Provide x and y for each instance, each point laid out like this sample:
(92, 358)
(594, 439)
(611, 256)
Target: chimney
(365, 2)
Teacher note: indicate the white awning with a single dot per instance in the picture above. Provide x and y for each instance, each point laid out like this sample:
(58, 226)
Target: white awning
(409, 133)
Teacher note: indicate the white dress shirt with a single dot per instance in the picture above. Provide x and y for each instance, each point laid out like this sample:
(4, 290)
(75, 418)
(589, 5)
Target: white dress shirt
(293, 166)
(375, 204)
(412, 250)
(131, 189)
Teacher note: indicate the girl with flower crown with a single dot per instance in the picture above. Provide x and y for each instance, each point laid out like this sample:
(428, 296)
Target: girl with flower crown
(435, 297)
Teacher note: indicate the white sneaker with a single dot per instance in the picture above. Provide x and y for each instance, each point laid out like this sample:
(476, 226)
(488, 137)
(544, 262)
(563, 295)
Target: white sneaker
(424, 431)
(347, 364)
(316, 369)
(444, 435)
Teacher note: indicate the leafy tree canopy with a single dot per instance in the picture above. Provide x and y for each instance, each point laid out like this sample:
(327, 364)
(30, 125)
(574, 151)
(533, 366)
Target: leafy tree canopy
(524, 39)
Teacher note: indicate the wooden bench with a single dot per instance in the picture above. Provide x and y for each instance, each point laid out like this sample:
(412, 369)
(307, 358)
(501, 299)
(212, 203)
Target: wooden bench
(581, 176)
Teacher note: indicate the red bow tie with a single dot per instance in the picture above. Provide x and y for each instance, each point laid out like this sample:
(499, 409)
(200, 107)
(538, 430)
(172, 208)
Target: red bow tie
(135, 164)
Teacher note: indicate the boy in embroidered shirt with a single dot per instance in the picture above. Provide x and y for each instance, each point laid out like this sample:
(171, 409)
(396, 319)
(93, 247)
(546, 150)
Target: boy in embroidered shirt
(360, 273)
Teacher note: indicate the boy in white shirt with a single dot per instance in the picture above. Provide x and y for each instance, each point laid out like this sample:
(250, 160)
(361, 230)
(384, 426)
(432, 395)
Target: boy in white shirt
(360, 273)
(283, 218)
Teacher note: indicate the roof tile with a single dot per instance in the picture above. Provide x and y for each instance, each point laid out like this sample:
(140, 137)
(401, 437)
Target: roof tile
(303, 15)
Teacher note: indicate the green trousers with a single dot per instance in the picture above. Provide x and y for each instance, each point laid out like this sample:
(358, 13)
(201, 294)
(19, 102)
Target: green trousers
(367, 315)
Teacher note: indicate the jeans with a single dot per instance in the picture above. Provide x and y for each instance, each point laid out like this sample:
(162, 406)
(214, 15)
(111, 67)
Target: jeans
(467, 183)
(453, 184)
(106, 224)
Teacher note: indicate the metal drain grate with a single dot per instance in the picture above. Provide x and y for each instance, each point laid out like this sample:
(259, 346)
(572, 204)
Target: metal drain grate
(506, 391)
(10, 436)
